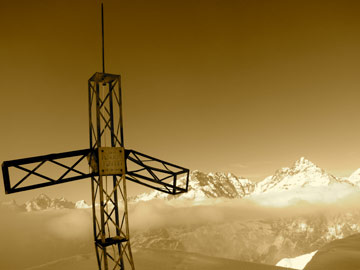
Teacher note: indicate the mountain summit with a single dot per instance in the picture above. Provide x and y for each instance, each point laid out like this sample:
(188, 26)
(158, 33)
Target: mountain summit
(303, 164)
(303, 173)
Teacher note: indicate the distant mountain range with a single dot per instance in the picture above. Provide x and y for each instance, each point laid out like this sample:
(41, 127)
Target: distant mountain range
(303, 174)
(43, 202)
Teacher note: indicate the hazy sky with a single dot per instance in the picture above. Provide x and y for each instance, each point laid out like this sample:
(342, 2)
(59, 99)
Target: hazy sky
(240, 86)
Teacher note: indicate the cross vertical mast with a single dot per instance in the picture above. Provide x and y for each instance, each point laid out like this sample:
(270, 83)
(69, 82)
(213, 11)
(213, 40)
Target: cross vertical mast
(110, 222)
(108, 185)
(102, 38)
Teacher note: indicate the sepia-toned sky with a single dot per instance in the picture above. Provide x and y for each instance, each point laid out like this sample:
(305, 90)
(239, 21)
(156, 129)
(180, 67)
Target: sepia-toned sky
(239, 86)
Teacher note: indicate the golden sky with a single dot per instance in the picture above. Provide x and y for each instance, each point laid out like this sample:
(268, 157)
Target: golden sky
(240, 86)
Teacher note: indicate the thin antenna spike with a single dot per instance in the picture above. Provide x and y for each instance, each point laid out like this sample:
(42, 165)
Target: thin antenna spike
(102, 35)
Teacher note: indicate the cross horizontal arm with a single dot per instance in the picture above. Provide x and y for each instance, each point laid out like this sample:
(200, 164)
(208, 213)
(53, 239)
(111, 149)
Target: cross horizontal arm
(140, 168)
(68, 162)
(155, 173)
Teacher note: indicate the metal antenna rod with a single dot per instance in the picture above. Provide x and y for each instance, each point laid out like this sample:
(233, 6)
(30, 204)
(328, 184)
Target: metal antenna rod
(102, 35)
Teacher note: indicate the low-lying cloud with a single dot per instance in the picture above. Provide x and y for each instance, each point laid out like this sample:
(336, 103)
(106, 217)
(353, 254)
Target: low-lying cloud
(323, 194)
(158, 213)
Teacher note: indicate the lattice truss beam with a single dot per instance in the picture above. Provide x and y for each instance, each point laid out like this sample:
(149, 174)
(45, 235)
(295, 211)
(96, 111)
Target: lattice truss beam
(46, 170)
(155, 173)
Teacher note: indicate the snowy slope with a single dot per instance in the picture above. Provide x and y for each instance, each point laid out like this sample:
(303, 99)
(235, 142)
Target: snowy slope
(355, 178)
(298, 262)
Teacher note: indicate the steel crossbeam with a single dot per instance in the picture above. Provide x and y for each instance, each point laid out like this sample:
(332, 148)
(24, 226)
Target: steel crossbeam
(57, 160)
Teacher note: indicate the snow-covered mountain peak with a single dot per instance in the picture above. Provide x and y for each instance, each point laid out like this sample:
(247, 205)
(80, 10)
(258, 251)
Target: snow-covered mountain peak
(40, 202)
(303, 173)
(82, 205)
(43, 202)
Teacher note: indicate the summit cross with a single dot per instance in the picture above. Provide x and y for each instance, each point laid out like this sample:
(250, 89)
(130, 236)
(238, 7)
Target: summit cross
(111, 166)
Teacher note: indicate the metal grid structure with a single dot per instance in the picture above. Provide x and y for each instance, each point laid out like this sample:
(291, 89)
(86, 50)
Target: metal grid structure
(111, 226)
(111, 165)
(156, 173)
(33, 178)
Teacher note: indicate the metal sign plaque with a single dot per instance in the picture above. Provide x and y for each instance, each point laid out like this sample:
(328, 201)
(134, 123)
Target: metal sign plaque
(111, 160)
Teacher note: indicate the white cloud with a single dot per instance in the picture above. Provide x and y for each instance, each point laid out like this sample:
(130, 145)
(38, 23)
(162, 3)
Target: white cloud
(322, 194)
